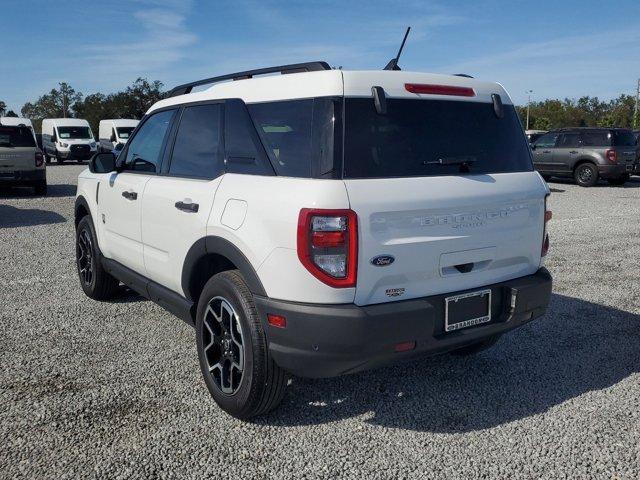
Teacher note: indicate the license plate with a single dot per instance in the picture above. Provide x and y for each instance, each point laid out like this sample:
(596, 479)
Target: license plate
(467, 310)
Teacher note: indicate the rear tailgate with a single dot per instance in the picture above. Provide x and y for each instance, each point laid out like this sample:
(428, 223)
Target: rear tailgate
(17, 149)
(445, 234)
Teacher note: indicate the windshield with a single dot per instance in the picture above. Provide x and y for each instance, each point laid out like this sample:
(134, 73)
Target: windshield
(624, 138)
(125, 132)
(74, 132)
(16, 137)
(418, 138)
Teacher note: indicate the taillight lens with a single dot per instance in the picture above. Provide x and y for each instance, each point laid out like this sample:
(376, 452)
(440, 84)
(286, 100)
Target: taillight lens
(545, 236)
(39, 158)
(611, 155)
(328, 245)
(439, 89)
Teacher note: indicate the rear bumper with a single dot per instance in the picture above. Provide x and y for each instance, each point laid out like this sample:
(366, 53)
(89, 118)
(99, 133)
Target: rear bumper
(330, 340)
(616, 171)
(23, 177)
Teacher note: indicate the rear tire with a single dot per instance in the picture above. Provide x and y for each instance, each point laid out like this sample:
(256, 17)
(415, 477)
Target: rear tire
(95, 281)
(618, 181)
(40, 188)
(232, 349)
(586, 174)
(60, 160)
(546, 177)
(477, 347)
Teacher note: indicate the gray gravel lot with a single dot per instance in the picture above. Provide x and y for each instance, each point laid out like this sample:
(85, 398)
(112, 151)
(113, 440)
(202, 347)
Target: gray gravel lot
(113, 390)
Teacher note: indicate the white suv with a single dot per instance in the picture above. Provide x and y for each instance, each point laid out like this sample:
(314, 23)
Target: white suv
(321, 222)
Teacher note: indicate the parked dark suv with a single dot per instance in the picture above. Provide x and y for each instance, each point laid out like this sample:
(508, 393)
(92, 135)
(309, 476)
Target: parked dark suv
(587, 154)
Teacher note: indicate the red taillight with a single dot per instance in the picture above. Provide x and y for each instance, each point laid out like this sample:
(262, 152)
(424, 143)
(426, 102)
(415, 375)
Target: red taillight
(440, 89)
(39, 159)
(545, 236)
(328, 245)
(611, 155)
(277, 321)
(404, 346)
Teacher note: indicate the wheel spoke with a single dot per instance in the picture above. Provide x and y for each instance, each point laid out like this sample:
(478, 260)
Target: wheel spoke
(224, 349)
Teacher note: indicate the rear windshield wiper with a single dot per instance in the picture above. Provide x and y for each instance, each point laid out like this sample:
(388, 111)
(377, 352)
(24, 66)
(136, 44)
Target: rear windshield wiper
(462, 160)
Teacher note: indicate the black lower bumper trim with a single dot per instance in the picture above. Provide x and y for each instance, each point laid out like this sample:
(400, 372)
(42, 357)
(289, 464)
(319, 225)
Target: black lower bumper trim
(330, 340)
(24, 177)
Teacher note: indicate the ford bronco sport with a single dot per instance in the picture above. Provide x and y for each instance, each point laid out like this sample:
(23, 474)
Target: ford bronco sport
(21, 161)
(321, 222)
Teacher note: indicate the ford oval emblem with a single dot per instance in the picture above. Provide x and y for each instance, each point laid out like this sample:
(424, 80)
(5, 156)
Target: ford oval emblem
(382, 260)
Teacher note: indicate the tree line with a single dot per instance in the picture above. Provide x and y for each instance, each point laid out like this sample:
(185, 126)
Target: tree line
(65, 101)
(135, 100)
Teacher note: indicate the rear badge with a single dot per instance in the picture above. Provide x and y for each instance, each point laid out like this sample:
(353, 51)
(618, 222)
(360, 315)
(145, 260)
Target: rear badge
(394, 292)
(382, 260)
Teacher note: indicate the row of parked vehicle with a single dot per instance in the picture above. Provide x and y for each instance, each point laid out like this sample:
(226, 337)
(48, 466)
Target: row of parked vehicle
(586, 154)
(23, 153)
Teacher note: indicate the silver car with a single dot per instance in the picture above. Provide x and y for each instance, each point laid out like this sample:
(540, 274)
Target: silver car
(587, 154)
(21, 161)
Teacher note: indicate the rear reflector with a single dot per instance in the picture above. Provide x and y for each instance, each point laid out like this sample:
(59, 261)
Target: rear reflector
(39, 159)
(329, 239)
(404, 346)
(277, 321)
(439, 89)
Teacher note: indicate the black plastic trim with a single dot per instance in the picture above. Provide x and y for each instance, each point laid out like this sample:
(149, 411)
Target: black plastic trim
(223, 247)
(167, 299)
(283, 69)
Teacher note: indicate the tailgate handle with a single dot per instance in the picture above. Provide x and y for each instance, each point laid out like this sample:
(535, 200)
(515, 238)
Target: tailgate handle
(464, 267)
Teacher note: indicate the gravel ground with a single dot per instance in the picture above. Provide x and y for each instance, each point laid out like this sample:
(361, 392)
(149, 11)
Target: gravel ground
(113, 390)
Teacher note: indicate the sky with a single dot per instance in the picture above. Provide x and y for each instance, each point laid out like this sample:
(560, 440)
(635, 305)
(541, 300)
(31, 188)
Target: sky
(558, 49)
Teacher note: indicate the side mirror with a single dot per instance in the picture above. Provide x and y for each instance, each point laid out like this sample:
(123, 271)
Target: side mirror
(102, 163)
(113, 138)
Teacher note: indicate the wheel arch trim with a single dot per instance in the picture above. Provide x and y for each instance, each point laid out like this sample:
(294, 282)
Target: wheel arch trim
(220, 246)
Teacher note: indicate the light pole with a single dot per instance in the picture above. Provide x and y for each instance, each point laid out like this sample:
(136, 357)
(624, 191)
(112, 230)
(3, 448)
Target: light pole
(528, 92)
(635, 110)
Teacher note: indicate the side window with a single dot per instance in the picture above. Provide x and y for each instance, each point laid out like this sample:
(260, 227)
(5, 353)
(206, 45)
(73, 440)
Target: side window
(548, 140)
(196, 152)
(595, 139)
(144, 152)
(243, 151)
(569, 140)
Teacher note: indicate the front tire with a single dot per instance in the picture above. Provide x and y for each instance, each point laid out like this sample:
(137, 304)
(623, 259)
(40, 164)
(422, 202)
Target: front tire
(95, 281)
(232, 349)
(586, 175)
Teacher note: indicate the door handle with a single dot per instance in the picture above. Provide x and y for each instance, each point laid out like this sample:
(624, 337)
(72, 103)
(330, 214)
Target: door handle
(187, 207)
(546, 151)
(573, 152)
(130, 195)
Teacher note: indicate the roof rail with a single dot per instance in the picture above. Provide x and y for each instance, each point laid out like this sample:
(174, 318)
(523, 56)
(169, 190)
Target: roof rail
(283, 69)
(466, 75)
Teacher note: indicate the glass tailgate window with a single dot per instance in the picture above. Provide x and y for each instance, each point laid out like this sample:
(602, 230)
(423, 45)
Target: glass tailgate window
(431, 137)
(16, 137)
(623, 138)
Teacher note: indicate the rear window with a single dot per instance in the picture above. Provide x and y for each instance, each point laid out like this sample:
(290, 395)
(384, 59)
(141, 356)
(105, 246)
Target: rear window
(623, 138)
(431, 137)
(16, 137)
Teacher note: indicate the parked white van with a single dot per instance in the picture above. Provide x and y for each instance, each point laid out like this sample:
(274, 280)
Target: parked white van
(67, 139)
(115, 131)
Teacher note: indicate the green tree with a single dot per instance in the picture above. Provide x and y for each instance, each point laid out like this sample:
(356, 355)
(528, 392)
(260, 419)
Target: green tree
(11, 113)
(59, 102)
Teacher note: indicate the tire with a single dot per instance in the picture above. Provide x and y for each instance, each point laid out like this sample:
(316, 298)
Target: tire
(95, 281)
(477, 347)
(586, 174)
(47, 158)
(40, 188)
(619, 181)
(60, 160)
(546, 177)
(240, 374)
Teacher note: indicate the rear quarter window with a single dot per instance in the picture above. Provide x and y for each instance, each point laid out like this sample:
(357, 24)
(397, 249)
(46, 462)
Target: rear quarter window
(595, 139)
(623, 138)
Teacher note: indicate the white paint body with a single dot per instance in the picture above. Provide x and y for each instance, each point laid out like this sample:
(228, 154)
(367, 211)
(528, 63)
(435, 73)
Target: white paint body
(422, 222)
(50, 128)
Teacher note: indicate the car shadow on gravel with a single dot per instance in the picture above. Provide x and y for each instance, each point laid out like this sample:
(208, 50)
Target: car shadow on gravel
(56, 190)
(27, 217)
(578, 347)
(633, 182)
